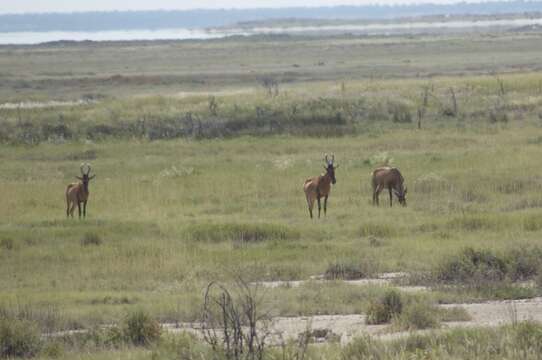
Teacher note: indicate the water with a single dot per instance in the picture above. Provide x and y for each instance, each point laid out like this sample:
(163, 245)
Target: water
(184, 34)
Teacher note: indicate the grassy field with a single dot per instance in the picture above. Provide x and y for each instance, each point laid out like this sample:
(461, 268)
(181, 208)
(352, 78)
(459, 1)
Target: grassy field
(169, 213)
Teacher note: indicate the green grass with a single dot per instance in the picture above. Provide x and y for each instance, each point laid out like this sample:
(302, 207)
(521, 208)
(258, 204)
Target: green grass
(150, 220)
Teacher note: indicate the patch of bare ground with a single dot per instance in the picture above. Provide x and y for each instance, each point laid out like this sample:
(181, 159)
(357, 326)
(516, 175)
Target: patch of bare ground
(44, 104)
(384, 279)
(345, 328)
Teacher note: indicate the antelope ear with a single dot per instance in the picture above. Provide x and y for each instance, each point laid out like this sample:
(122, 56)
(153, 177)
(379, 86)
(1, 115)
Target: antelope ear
(325, 167)
(79, 178)
(336, 167)
(92, 177)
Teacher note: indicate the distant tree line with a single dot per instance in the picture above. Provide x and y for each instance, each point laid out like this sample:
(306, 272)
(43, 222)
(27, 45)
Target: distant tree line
(125, 20)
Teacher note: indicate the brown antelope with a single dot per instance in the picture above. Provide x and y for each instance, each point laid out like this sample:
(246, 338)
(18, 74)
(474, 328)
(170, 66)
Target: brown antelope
(317, 187)
(77, 193)
(390, 178)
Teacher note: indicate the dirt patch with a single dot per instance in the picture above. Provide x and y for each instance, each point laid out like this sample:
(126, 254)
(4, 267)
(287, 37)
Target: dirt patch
(347, 327)
(43, 104)
(385, 279)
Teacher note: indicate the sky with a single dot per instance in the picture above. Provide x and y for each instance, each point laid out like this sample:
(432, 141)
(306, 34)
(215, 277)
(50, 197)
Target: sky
(22, 6)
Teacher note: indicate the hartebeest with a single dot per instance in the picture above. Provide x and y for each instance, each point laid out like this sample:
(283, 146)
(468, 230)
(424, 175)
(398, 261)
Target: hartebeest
(390, 178)
(77, 193)
(317, 187)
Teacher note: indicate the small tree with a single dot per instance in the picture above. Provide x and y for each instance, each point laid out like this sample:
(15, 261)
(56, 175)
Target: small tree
(232, 323)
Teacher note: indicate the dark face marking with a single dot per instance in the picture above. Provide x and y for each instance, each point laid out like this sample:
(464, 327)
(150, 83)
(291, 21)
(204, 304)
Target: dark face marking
(85, 180)
(331, 173)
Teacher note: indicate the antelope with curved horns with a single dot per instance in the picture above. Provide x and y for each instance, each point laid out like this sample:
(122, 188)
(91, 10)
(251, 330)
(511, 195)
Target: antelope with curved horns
(390, 178)
(317, 187)
(77, 193)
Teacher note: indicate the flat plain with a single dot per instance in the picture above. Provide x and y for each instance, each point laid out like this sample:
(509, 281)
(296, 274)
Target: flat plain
(201, 148)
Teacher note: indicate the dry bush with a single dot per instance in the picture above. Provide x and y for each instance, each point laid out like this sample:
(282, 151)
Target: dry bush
(233, 323)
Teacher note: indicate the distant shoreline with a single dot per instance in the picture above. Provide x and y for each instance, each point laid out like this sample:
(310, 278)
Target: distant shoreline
(270, 29)
(202, 19)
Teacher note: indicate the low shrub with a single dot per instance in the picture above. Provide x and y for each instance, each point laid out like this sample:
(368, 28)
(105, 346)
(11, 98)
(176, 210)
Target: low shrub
(387, 307)
(7, 243)
(484, 267)
(349, 270)
(140, 329)
(472, 267)
(524, 263)
(453, 314)
(418, 316)
(91, 238)
(18, 338)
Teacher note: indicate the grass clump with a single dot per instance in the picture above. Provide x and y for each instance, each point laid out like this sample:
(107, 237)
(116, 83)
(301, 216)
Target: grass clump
(467, 223)
(377, 230)
(532, 223)
(7, 244)
(91, 239)
(484, 267)
(453, 314)
(470, 266)
(525, 263)
(241, 233)
(348, 270)
(508, 342)
(140, 329)
(418, 316)
(384, 309)
(18, 338)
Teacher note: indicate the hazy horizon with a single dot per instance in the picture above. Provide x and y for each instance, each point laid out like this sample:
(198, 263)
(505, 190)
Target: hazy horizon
(54, 6)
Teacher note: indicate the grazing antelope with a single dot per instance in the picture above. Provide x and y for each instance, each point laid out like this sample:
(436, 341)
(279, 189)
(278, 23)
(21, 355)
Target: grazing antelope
(77, 193)
(317, 187)
(390, 178)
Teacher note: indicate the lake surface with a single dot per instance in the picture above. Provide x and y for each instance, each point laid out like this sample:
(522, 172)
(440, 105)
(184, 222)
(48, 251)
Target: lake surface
(29, 38)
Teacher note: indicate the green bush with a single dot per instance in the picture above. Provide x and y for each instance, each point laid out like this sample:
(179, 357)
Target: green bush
(387, 307)
(18, 338)
(472, 267)
(418, 316)
(140, 329)
(524, 263)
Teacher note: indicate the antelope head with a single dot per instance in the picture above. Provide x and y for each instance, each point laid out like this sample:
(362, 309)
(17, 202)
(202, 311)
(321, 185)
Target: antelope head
(85, 178)
(330, 167)
(401, 195)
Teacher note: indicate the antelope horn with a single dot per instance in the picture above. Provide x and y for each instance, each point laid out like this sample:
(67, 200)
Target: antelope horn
(332, 158)
(83, 169)
(326, 160)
